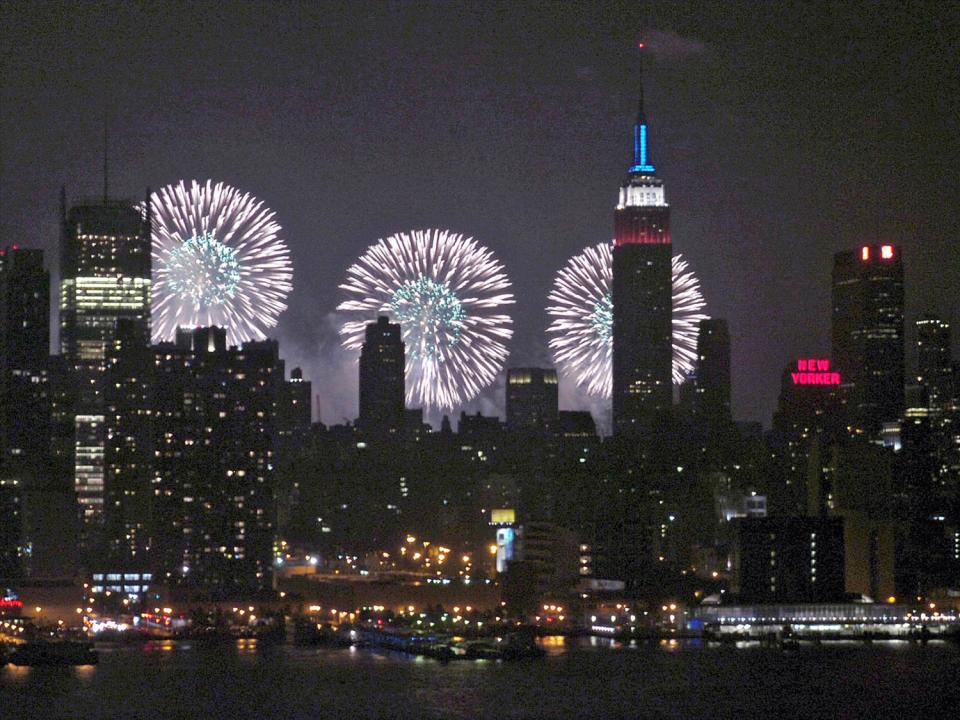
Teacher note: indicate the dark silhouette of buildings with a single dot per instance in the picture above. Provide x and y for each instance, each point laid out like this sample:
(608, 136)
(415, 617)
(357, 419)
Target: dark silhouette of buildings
(213, 473)
(129, 446)
(712, 404)
(38, 504)
(532, 400)
(934, 364)
(382, 366)
(807, 413)
(24, 363)
(11, 529)
(789, 559)
(928, 465)
(868, 334)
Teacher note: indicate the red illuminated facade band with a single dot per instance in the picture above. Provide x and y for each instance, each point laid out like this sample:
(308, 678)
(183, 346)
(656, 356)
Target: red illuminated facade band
(814, 371)
(642, 226)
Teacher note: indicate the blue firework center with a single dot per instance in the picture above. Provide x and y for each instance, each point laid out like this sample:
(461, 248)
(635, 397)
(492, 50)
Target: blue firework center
(602, 318)
(204, 270)
(431, 314)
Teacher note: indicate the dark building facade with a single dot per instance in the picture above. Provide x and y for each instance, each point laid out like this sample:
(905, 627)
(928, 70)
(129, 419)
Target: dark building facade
(24, 362)
(809, 415)
(798, 559)
(934, 362)
(213, 472)
(128, 451)
(642, 296)
(532, 400)
(712, 404)
(868, 343)
(382, 366)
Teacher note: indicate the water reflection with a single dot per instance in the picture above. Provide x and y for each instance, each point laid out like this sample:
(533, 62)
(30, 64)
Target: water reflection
(17, 673)
(159, 646)
(246, 646)
(279, 681)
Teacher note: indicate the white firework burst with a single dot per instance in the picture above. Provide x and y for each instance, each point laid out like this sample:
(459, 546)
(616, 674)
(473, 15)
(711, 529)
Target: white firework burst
(688, 303)
(218, 259)
(448, 293)
(581, 330)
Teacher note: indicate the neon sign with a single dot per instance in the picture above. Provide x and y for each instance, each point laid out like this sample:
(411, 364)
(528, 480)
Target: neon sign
(7, 604)
(814, 371)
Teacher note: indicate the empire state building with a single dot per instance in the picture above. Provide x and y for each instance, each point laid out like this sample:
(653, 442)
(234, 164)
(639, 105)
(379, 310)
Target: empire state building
(642, 295)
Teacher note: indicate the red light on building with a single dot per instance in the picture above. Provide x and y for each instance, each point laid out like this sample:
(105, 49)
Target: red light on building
(814, 371)
(9, 604)
(865, 253)
(886, 252)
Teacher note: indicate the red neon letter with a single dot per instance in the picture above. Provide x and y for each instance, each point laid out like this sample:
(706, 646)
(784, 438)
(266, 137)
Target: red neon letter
(886, 252)
(865, 253)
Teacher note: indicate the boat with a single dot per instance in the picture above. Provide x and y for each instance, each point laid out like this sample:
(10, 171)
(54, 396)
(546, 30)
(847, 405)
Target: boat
(54, 653)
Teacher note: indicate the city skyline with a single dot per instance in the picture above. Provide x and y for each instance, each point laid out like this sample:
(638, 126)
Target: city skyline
(499, 155)
(613, 338)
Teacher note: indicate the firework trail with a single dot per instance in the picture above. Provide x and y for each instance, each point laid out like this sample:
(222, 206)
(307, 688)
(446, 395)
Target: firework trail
(218, 259)
(581, 330)
(449, 294)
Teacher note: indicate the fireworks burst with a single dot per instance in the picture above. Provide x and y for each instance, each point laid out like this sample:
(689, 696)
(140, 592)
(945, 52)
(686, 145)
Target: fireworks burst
(581, 332)
(218, 259)
(688, 303)
(448, 293)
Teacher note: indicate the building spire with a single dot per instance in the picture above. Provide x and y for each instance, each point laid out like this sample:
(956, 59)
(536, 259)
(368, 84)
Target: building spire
(641, 161)
(641, 117)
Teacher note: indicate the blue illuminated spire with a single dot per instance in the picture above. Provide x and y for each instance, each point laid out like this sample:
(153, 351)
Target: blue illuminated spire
(641, 161)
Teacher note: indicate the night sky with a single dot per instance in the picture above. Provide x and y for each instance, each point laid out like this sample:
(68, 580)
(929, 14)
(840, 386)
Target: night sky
(784, 132)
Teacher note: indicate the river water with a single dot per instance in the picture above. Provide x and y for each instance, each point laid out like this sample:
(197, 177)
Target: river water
(577, 679)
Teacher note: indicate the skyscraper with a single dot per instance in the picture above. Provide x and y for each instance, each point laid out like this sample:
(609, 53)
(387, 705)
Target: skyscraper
(214, 431)
(713, 373)
(934, 366)
(128, 451)
(24, 361)
(293, 413)
(642, 290)
(868, 334)
(808, 418)
(104, 277)
(532, 399)
(382, 364)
